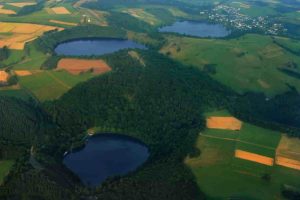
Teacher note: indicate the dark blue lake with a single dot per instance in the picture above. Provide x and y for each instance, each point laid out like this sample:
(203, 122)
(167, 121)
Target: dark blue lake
(89, 47)
(199, 29)
(106, 155)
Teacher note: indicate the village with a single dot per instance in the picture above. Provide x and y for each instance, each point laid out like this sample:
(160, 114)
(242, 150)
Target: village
(232, 17)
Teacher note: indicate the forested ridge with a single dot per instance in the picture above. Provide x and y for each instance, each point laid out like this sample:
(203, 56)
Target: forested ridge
(161, 104)
(20, 122)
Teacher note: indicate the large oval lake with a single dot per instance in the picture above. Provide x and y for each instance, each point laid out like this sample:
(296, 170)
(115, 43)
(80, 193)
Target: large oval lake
(199, 29)
(89, 47)
(106, 155)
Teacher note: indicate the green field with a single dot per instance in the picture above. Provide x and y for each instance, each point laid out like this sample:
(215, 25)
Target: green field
(48, 85)
(5, 166)
(253, 64)
(222, 176)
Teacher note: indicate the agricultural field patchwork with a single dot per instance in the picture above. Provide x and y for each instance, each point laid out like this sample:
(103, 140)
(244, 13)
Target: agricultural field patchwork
(16, 35)
(5, 11)
(242, 164)
(49, 85)
(256, 62)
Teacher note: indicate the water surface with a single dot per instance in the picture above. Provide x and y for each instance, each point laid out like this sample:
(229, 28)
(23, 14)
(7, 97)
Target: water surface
(89, 47)
(199, 29)
(104, 156)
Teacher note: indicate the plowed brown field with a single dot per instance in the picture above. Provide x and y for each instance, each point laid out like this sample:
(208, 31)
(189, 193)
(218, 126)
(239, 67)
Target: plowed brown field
(77, 66)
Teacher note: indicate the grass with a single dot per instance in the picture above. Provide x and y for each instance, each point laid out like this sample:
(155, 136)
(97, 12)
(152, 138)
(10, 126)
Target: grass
(253, 62)
(5, 166)
(49, 85)
(217, 167)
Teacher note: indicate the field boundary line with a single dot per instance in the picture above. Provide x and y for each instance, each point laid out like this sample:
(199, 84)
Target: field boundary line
(58, 80)
(238, 140)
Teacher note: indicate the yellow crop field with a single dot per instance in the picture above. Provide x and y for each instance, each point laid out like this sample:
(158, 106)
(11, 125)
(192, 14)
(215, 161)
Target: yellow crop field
(3, 77)
(21, 33)
(22, 4)
(227, 123)
(254, 157)
(63, 23)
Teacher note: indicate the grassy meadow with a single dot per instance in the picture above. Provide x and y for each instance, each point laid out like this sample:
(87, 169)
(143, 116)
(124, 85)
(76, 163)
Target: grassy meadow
(222, 176)
(253, 64)
(49, 85)
(5, 166)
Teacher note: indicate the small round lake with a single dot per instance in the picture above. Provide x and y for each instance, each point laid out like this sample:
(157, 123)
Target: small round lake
(89, 47)
(199, 29)
(106, 155)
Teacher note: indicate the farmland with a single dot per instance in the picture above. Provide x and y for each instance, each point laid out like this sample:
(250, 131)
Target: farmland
(77, 66)
(197, 103)
(4, 76)
(20, 33)
(253, 64)
(47, 85)
(219, 166)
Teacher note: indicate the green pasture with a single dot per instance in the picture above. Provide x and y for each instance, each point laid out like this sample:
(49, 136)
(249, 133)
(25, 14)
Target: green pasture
(247, 63)
(49, 85)
(5, 166)
(222, 176)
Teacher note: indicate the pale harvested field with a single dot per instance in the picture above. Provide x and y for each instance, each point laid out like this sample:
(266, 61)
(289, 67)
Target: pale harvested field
(254, 157)
(4, 76)
(226, 123)
(22, 4)
(21, 33)
(77, 66)
(23, 73)
(60, 11)
(6, 11)
(63, 23)
(288, 152)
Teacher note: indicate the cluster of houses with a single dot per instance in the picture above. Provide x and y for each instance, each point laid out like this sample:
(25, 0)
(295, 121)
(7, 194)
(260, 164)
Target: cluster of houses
(233, 17)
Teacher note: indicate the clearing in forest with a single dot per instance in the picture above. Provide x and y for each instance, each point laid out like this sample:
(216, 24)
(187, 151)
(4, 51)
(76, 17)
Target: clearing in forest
(60, 10)
(3, 76)
(137, 56)
(288, 152)
(77, 66)
(254, 157)
(15, 35)
(226, 123)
